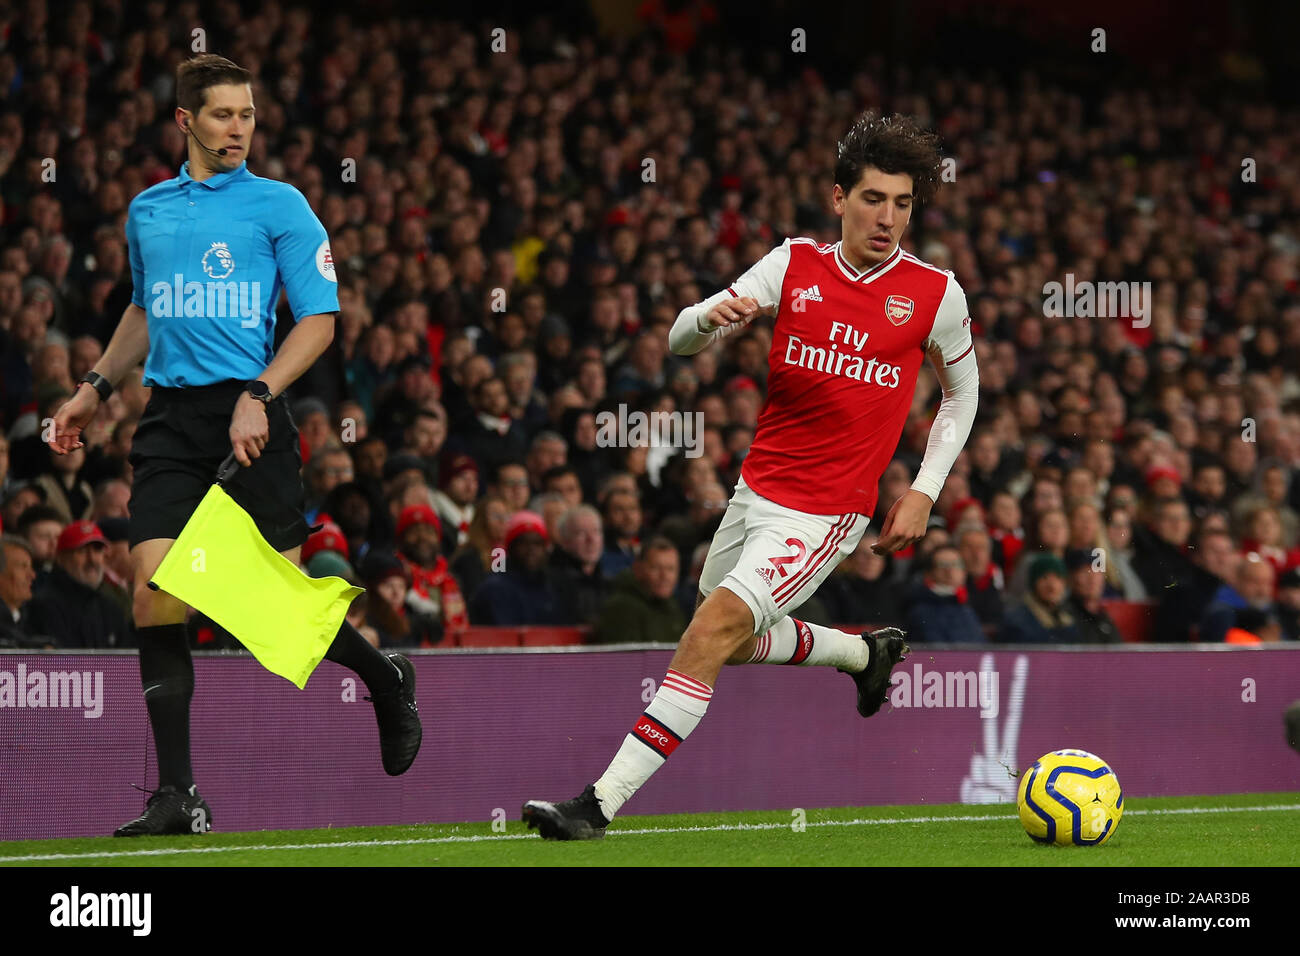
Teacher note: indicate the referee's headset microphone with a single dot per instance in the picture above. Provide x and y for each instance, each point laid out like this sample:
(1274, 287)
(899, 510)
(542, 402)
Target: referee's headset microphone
(218, 152)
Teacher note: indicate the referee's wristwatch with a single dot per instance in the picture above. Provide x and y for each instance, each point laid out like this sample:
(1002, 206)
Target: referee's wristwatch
(100, 384)
(260, 391)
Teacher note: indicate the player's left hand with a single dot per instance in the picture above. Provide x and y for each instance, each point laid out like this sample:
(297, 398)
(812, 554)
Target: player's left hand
(248, 429)
(905, 524)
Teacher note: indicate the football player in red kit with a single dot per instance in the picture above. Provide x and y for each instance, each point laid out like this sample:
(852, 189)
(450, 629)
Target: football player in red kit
(853, 322)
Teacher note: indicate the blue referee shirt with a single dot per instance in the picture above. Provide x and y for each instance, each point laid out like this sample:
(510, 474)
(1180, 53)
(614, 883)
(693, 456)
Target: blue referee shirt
(208, 260)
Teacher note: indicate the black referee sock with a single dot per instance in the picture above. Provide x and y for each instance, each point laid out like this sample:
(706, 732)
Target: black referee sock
(357, 654)
(167, 676)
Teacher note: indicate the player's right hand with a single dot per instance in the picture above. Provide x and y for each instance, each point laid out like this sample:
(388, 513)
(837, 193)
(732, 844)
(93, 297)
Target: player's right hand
(71, 418)
(742, 309)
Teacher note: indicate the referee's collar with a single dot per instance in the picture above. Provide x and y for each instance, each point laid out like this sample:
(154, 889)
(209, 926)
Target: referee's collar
(215, 181)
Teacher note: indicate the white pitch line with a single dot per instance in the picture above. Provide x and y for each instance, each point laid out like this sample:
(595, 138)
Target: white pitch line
(485, 838)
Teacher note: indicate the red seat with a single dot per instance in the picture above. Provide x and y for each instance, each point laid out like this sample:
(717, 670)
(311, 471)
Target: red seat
(554, 636)
(489, 637)
(1136, 620)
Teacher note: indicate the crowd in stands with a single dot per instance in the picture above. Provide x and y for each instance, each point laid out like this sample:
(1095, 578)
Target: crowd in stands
(509, 264)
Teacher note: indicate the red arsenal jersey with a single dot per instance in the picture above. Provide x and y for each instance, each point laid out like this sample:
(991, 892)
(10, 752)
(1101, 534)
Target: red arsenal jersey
(846, 350)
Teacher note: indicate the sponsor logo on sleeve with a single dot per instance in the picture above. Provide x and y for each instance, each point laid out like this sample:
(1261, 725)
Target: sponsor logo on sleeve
(325, 261)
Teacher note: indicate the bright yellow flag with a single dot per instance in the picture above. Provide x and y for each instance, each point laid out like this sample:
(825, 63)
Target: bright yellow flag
(221, 565)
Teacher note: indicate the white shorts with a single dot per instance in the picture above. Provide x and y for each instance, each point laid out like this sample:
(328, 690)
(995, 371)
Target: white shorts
(774, 558)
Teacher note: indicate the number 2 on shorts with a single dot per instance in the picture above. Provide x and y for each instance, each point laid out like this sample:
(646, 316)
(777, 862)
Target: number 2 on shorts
(780, 561)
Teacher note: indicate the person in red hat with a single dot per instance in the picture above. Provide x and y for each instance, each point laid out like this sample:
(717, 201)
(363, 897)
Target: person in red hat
(526, 591)
(419, 533)
(70, 609)
(329, 538)
(1164, 481)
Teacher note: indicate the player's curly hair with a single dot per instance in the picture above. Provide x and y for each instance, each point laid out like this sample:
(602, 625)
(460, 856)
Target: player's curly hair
(892, 144)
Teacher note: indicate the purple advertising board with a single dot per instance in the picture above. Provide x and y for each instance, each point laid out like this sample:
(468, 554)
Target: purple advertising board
(501, 728)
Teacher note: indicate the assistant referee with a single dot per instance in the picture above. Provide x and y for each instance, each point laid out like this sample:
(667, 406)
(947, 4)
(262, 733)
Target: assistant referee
(210, 251)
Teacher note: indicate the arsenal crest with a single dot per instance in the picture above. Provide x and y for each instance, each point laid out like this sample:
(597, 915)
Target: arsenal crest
(899, 308)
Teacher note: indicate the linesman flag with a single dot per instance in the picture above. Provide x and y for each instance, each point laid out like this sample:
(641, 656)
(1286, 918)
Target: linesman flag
(221, 565)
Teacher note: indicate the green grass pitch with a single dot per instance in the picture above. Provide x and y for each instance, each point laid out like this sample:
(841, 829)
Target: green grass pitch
(1245, 830)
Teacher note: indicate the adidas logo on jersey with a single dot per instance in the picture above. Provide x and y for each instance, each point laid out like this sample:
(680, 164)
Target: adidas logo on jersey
(813, 294)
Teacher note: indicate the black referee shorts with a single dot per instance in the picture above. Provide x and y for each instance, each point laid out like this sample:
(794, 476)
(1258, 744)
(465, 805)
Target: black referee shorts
(181, 441)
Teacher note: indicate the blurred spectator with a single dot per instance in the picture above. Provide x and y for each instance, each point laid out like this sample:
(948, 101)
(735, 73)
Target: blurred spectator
(548, 450)
(41, 526)
(563, 480)
(641, 608)
(110, 500)
(1086, 583)
(984, 580)
(483, 551)
(328, 468)
(65, 491)
(1251, 588)
(1005, 530)
(396, 411)
(590, 463)
(16, 577)
(576, 561)
(312, 418)
(991, 466)
(708, 504)
(1271, 492)
(1051, 536)
(492, 436)
(369, 456)
(397, 620)
(860, 592)
(23, 495)
(118, 574)
(455, 497)
(551, 506)
(936, 608)
(1264, 536)
(425, 435)
(353, 517)
(1181, 607)
(519, 372)
(69, 608)
(1209, 488)
(419, 538)
(623, 523)
(1161, 559)
(526, 592)
(1044, 617)
(1121, 580)
(511, 485)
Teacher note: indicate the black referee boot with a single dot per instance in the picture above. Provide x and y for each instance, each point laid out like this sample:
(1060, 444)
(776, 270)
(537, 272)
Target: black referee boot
(400, 731)
(170, 812)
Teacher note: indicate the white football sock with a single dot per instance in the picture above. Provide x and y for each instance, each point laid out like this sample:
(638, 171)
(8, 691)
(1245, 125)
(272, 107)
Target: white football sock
(676, 710)
(798, 642)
